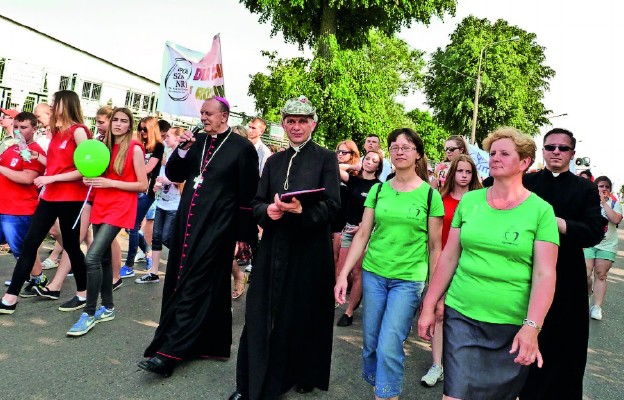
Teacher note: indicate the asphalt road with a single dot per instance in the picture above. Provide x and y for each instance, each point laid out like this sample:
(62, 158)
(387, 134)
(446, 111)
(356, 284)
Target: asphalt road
(38, 361)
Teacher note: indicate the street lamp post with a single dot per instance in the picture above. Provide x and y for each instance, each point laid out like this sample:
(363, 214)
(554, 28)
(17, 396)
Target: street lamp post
(473, 133)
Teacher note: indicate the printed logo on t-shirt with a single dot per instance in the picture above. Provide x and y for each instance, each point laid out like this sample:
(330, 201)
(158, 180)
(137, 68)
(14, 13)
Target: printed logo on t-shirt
(63, 145)
(511, 236)
(14, 162)
(413, 212)
(364, 194)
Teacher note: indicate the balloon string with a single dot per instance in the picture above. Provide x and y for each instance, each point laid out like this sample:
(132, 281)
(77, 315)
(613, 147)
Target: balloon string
(82, 208)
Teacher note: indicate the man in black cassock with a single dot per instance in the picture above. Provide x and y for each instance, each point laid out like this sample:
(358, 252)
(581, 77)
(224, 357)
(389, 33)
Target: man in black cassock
(287, 338)
(221, 173)
(565, 334)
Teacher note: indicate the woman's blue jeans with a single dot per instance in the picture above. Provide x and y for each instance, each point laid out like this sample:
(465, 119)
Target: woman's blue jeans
(134, 239)
(390, 306)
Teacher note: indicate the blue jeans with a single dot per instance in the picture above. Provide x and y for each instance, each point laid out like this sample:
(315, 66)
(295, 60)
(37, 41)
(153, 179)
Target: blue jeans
(163, 228)
(134, 239)
(390, 306)
(13, 229)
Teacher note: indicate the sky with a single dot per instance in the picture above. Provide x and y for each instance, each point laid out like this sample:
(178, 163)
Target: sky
(582, 43)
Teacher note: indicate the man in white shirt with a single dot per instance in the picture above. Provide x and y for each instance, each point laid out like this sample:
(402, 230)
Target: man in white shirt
(256, 128)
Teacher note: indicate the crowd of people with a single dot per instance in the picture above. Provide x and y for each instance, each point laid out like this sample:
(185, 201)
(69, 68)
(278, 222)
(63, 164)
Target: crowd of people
(323, 229)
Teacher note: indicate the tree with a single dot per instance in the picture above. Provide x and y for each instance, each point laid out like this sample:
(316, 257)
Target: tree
(354, 90)
(305, 21)
(513, 80)
(432, 134)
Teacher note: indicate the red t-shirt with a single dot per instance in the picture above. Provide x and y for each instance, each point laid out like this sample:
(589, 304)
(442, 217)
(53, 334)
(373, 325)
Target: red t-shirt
(115, 206)
(450, 205)
(17, 198)
(61, 160)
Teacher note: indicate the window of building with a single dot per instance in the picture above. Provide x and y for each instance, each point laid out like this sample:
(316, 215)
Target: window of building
(91, 91)
(65, 81)
(2, 62)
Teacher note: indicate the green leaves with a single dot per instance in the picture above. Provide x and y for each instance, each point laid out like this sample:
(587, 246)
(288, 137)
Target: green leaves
(305, 21)
(513, 80)
(354, 90)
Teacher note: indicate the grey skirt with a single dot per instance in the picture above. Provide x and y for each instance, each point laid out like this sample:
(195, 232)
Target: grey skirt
(476, 359)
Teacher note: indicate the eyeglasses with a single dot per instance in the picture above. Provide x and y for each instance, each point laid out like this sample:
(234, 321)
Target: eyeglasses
(452, 149)
(604, 186)
(404, 149)
(561, 147)
(343, 152)
(142, 129)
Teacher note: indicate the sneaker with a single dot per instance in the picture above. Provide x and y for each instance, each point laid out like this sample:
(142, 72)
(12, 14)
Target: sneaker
(140, 256)
(148, 278)
(596, 312)
(148, 263)
(126, 272)
(104, 314)
(433, 376)
(7, 283)
(47, 293)
(73, 304)
(29, 289)
(84, 325)
(117, 285)
(4, 309)
(248, 268)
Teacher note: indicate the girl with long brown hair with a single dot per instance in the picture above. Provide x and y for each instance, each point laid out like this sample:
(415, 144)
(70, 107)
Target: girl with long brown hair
(62, 198)
(150, 137)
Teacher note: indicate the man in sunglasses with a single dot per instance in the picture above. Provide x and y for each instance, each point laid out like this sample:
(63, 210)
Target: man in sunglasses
(564, 337)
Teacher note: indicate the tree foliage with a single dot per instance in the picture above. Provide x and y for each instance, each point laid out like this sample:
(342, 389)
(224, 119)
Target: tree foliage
(354, 90)
(305, 21)
(432, 134)
(514, 79)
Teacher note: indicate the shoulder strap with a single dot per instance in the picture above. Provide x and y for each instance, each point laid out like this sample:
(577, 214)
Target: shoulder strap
(377, 193)
(429, 196)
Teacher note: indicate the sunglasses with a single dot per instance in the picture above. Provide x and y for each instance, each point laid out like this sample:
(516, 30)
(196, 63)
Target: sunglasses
(561, 147)
(142, 129)
(343, 152)
(451, 149)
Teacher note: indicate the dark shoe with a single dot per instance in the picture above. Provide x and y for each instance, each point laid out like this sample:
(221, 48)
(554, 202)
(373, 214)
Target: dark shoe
(73, 304)
(4, 309)
(302, 389)
(47, 293)
(29, 289)
(117, 285)
(159, 365)
(345, 320)
(237, 396)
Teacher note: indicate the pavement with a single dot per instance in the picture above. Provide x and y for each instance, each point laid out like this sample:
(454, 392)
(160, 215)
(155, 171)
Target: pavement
(38, 361)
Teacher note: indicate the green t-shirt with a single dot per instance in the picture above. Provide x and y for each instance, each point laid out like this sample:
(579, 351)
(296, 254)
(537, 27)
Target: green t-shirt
(493, 279)
(397, 248)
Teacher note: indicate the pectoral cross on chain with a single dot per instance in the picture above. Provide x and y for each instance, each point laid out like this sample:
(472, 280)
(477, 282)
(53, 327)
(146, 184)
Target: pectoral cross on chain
(198, 181)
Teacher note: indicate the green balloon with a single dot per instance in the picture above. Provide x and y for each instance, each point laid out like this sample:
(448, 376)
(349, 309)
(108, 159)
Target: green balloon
(91, 158)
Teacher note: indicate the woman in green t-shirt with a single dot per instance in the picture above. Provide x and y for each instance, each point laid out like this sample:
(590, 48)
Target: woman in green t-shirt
(402, 226)
(499, 267)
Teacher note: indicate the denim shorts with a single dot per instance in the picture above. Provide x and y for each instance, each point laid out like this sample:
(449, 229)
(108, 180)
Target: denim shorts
(151, 212)
(347, 238)
(13, 229)
(593, 253)
(387, 320)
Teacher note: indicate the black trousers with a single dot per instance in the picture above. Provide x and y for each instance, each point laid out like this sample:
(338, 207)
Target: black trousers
(100, 268)
(46, 213)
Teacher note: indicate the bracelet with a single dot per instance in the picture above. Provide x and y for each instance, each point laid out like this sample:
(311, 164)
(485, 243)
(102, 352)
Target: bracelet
(532, 324)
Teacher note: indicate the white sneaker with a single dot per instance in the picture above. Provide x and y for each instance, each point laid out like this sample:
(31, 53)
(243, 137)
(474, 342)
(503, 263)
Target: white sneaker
(596, 312)
(248, 268)
(433, 376)
(140, 256)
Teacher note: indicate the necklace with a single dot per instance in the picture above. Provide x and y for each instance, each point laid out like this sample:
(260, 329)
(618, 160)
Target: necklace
(505, 207)
(199, 179)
